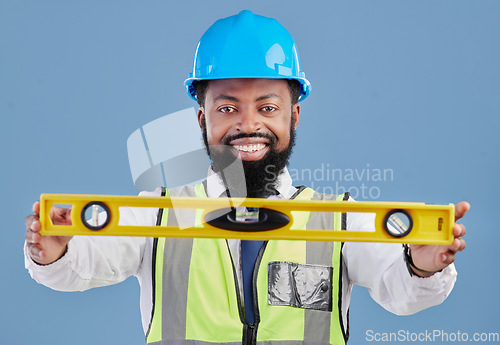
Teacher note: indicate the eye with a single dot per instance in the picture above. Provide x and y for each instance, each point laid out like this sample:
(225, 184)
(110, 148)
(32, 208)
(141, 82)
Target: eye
(226, 110)
(268, 109)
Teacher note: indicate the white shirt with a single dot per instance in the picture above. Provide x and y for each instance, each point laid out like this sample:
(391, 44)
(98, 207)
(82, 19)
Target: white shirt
(93, 261)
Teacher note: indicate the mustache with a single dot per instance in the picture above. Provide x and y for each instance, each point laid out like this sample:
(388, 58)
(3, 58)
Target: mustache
(227, 139)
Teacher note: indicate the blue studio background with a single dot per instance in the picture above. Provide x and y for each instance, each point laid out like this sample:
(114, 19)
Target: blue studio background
(408, 87)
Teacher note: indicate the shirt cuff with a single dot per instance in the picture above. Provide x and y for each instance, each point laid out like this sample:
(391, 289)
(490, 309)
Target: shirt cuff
(447, 275)
(440, 284)
(35, 269)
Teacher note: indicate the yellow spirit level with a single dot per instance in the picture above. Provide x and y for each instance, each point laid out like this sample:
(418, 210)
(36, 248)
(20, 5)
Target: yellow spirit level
(252, 219)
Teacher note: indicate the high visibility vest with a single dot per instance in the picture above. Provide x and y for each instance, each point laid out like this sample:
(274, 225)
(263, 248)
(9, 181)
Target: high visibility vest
(196, 299)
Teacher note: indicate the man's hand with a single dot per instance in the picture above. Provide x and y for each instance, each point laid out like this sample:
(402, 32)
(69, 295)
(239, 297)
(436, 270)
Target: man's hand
(45, 250)
(434, 258)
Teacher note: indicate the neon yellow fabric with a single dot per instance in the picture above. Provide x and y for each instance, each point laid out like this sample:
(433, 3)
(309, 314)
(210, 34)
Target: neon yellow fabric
(213, 311)
(279, 322)
(285, 322)
(212, 305)
(221, 284)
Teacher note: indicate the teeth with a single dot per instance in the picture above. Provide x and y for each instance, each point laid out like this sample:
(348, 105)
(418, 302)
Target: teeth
(250, 148)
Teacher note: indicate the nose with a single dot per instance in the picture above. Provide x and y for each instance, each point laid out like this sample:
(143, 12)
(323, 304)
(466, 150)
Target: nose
(249, 121)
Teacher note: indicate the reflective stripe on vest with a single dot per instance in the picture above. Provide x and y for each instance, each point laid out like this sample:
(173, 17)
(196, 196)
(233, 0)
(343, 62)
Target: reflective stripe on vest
(196, 299)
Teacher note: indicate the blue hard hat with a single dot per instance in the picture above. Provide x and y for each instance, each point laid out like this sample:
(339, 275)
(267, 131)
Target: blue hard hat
(246, 45)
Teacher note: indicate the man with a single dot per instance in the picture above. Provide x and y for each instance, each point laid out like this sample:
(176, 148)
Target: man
(247, 80)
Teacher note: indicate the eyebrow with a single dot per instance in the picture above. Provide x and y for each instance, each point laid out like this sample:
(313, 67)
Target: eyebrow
(271, 95)
(234, 99)
(226, 98)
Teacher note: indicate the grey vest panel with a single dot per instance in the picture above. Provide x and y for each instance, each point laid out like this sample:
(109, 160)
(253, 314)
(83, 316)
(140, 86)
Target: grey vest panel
(317, 327)
(177, 253)
(317, 323)
(175, 287)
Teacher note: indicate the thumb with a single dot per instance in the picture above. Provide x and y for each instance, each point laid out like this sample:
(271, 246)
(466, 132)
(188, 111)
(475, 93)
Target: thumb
(60, 216)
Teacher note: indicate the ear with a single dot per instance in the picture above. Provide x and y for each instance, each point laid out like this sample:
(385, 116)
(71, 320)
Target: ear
(296, 113)
(201, 117)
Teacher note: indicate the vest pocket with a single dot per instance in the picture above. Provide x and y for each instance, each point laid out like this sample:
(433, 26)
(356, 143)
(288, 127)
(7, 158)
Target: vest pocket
(300, 285)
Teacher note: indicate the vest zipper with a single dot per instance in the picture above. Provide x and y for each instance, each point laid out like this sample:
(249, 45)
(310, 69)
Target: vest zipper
(249, 330)
(250, 334)
(237, 287)
(254, 283)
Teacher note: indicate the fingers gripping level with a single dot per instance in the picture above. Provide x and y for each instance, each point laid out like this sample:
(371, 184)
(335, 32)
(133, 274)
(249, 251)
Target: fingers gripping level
(264, 219)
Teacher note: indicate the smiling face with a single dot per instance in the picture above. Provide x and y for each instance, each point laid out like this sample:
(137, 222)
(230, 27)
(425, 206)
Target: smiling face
(237, 108)
(256, 121)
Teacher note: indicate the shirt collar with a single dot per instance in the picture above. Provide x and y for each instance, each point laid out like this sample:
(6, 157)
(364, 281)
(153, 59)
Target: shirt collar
(215, 186)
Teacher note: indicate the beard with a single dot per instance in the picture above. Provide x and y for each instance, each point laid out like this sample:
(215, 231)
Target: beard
(260, 176)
